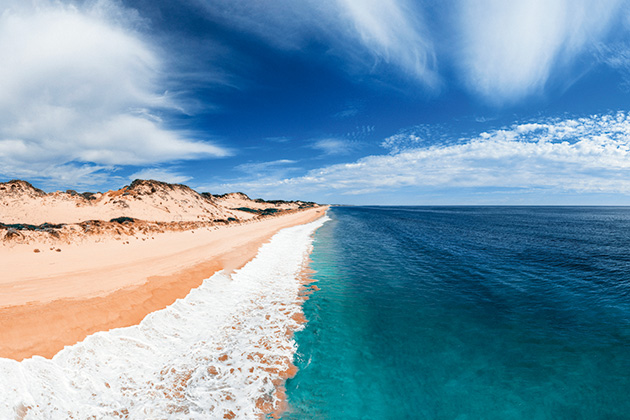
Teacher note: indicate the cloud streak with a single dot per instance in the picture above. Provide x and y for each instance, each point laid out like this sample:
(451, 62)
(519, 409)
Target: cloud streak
(502, 51)
(366, 34)
(394, 31)
(334, 146)
(258, 168)
(160, 174)
(510, 49)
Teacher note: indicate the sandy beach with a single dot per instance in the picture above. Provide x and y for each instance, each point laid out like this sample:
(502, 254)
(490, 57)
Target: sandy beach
(65, 292)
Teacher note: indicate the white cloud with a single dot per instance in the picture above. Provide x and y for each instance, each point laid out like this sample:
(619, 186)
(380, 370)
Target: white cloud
(584, 155)
(266, 167)
(333, 146)
(351, 111)
(159, 174)
(416, 136)
(364, 33)
(617, 56)
(393, 30)
(502, 50)
(81, 88)
(509, 49)
(65, 175)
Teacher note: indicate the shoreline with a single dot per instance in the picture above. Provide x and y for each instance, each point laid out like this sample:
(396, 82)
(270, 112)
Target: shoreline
(57, 298)
(225, 350)
(305, 290)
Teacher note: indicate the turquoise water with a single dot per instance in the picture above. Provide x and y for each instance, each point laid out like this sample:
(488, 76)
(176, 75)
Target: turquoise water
(467, 313)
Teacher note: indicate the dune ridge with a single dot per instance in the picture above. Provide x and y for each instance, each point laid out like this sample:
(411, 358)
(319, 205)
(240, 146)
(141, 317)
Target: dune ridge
(77, 263)
(147, 200)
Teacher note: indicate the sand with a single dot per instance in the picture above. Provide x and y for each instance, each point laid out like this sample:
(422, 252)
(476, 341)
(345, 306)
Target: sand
(53, 298)
(146, 200)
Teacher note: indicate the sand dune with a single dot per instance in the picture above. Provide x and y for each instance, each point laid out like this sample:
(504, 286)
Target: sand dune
(153, 201)
(64, 281)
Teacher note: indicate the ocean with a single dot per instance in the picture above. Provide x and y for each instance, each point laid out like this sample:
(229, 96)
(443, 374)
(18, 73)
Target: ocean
(467, 313)
(422, 313)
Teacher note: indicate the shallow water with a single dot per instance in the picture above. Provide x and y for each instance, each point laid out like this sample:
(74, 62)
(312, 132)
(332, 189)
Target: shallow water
(467, 313)
(218, 352)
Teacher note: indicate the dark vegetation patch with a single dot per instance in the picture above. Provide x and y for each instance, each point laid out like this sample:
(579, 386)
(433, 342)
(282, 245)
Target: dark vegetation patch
(247, 209)
(232, 194)
(260, 212)
(13, 234)
(45, 227)
(123, 220)
(267, 212)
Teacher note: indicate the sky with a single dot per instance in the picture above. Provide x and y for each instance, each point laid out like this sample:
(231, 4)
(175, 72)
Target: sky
(401, 102)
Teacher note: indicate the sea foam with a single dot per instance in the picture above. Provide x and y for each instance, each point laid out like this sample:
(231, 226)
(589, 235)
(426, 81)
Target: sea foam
(218, 353)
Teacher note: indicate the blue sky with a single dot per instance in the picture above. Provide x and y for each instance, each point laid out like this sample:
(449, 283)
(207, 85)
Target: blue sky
(344, 101)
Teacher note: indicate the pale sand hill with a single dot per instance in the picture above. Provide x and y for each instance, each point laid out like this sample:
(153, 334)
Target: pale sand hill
(240, 200)
(62, 283)
(149, 200)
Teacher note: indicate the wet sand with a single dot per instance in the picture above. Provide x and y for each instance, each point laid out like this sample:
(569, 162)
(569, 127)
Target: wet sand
(52, 298)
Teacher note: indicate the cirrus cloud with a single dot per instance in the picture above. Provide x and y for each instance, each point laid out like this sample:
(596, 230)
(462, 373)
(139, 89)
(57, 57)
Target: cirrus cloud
(365, 34)
(503, 51)
(160, 174)
(510, 49)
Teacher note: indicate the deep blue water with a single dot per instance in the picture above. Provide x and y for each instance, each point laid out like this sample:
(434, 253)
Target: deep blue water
(467, 313)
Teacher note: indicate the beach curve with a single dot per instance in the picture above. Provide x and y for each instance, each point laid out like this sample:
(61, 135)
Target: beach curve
(53, 299)
(224, 350)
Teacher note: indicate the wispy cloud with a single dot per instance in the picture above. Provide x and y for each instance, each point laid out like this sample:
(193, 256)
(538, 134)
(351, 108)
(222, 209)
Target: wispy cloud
(503, 51)
(83, 90)
(584, 155)
(160, 174)
(617, 56)
(364, 33)
(271, 170)
(510, 49)
(72, 175)
(334, 146)
(417, 136)
(278, 139)
(274, 167)
(351, 111)
(395, 31)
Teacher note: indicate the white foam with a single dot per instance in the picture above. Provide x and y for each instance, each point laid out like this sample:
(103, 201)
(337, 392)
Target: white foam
(214, 352)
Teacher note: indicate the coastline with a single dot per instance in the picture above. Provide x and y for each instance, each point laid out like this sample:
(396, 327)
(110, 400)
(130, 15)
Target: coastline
(306, 288)
(225, 350)
(55, 298)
